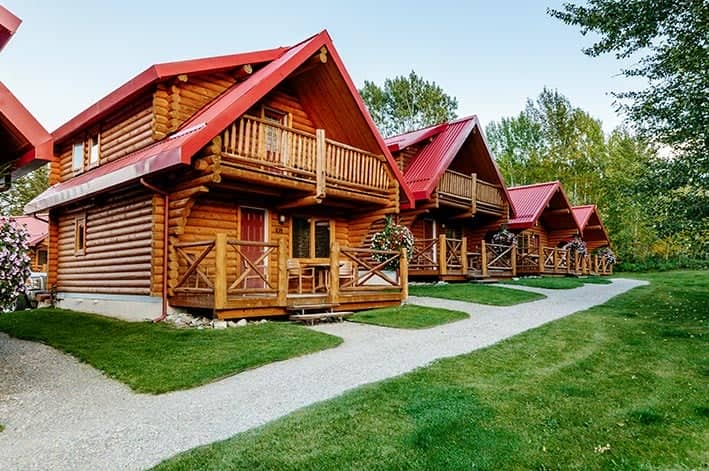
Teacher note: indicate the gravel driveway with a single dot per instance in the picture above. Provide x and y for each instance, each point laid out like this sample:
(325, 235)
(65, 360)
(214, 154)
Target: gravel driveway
(61, 414)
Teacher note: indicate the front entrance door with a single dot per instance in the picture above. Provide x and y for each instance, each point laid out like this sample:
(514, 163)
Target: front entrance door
(253, 228)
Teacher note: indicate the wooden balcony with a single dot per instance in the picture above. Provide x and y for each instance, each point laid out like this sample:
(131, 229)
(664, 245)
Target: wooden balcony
(267, 152)
(236, 278)
(470, 193)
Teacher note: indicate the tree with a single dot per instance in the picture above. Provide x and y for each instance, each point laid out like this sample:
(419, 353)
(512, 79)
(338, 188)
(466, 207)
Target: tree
(407, 103)
(14, 263)
(551, 140)
(23, 190)
(669, 42)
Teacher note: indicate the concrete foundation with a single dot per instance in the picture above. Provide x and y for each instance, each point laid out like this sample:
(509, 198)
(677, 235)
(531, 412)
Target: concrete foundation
(124, 307)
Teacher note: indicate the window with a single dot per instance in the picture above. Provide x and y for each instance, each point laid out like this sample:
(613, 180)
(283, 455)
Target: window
(272, 136)
(94, 148)
(310, 238)
(77, 157)
(527, 243)
(80, 235)
(42, 257)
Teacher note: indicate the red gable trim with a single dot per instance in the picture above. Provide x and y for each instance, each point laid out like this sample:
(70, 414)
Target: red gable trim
(530, 201)
(198, 130)
(583, 216)
(22, 122)
(402, 141)
(156, 73)
(8, 25)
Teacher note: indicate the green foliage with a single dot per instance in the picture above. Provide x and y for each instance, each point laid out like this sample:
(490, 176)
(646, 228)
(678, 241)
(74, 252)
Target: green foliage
(23, 190)
(550, 140)
(630, 374)
(408, 316)
(157, 358)
(14, 263)
(475, 293)
(663, 264)
(407, 103)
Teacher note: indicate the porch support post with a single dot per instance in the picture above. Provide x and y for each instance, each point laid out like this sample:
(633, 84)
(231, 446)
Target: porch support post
(320, 163)
(513, 259)
(220, 271)
(556, 260)
(442, 256)
(474, 184)
(483, 257)
(335, 273)
(404, 275)
(282, 298)
(541, 259)
(464, 255)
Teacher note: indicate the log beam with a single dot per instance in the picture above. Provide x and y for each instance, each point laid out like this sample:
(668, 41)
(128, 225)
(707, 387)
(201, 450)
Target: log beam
(311, 200)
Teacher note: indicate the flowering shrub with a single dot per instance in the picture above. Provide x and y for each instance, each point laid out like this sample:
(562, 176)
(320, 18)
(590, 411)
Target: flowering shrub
(503, 237)
(393, 237)
(608, 253)
(14, 263)
(577, 245)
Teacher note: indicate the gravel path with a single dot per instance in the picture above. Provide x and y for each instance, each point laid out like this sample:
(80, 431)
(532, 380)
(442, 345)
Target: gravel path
(61, 414)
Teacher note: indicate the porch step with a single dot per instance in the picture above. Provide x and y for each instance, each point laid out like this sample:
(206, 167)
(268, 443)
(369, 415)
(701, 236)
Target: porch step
(314, 318)
(484, 281)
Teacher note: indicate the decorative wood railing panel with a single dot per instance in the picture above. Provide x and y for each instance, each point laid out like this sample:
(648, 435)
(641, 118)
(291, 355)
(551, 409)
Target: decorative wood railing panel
(556, 260)
(369, 270)
(500, 257)
(488, 194)
(425, 256)
(454, 253)
(457, 184)
(307, 157)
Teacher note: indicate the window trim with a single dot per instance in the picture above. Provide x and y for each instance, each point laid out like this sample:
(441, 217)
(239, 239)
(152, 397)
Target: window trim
(80, 229)
(90, 147)
(74, 168)
(312, 223)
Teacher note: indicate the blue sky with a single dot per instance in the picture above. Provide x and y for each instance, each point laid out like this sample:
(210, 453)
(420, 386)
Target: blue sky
(492, 56)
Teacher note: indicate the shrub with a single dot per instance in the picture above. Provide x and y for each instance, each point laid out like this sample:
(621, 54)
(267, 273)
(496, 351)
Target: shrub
(14, 263)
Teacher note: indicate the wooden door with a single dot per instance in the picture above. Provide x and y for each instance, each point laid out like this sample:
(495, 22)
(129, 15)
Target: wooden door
(253, 228)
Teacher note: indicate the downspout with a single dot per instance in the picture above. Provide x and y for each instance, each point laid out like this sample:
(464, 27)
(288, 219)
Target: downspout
(166, 204)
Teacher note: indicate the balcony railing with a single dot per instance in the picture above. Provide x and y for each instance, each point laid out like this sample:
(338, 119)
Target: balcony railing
(467, 190)
(312, 158)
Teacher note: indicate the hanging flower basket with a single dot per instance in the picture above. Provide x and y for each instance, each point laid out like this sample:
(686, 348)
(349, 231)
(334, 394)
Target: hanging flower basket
(504, 237)
(14, 263)
(608, 253)
(577, 245)
(394, 238)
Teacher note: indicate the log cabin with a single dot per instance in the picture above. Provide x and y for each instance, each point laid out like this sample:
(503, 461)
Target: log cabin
(37, 232)
(594, 234)
(24, 143)
(544, 222)
(240, 185)
(460, 198)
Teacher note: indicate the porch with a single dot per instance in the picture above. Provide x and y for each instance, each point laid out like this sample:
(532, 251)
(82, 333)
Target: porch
(470, 194)
(310, 167)
(449, 259)
(238, 278)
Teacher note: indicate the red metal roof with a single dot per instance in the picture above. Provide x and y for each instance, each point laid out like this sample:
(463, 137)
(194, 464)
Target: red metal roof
(36, 228)
(201, 128)
(8, 25)
(587, 215)
(530, 201)
(431, 162)
(26, 143)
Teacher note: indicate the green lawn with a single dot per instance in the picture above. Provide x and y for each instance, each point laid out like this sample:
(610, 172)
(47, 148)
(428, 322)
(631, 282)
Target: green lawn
(620, 386)
(475, 293)
(547, 282)
(408, 316)
(157, 358)
(596, 280)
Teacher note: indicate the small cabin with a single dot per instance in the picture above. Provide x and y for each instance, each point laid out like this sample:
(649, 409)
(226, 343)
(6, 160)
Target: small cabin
(460, 197)
(594, 234)
(24, 144)
(37, 240)
(544, 223)
(240, 186)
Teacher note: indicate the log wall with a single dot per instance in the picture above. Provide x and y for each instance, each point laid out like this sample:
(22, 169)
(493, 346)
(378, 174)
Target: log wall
(119, 240)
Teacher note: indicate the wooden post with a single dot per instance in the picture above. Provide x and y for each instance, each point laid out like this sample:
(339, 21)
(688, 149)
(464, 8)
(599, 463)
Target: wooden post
(404, 276)
(541, 259)
(513, 259)
(282, 298)
(483, 257)
(320, 163)
(474, 203)
(464, 255)
(442, 256)
(569, 258)
(220, 271)
(335, 273)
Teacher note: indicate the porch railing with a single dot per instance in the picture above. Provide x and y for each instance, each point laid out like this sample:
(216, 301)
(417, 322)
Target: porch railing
(457, 184)
(305, 156)
(424, 256)
(488, 194)
(371, 271)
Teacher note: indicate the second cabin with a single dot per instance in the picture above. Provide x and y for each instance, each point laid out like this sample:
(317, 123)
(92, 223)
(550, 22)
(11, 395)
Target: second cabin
(242, 185)
(460, 199)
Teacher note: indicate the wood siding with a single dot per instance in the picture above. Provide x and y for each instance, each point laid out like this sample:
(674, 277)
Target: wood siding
(119, 240)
